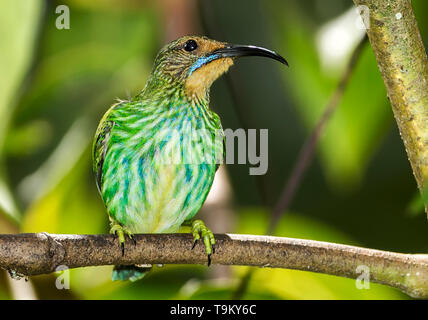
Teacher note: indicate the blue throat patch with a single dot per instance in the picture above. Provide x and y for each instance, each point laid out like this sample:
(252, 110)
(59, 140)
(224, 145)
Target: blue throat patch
(202, 61)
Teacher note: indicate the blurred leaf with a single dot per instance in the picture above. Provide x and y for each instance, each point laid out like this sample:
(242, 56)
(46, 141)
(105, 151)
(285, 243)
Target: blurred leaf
(18, 28)
(72, 206)
(4, 287)
(292, 284)
(60, 162)
(220, 289)
(25, 140)
(162, 283)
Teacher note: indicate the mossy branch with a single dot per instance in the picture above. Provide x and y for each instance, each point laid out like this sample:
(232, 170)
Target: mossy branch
(403, 63)
(41, 253)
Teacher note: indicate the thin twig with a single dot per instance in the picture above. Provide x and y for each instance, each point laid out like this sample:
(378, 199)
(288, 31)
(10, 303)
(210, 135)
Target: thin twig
(41, 253)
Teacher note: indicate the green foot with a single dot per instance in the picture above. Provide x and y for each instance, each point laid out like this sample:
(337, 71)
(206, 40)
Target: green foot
(120, 232)
(199, 231)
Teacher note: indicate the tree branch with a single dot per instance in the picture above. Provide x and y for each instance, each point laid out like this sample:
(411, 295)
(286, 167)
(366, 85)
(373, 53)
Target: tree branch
(40, 253)
(403, 63)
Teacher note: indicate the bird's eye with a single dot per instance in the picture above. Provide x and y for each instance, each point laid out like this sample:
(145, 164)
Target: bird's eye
(190, 45)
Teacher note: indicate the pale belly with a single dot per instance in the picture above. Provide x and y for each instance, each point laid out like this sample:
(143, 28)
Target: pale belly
(147, 194)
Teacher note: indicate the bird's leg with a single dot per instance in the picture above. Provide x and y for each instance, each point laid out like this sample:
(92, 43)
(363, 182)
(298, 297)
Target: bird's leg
(120, 233)
(200, 230)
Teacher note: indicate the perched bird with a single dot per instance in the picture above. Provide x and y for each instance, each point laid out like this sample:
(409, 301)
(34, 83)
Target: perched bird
(155, 156)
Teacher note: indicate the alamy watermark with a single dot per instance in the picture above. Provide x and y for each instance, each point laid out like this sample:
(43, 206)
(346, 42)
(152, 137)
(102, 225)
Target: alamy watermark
(363, 17)
(63, 280)
(215, 147)
(63, 20)
(247, 149)
(363, 280)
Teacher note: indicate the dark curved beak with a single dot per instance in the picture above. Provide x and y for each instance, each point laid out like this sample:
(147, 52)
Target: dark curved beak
(233, 51)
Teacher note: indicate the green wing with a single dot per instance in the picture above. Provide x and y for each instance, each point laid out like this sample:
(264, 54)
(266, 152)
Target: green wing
(100, 146)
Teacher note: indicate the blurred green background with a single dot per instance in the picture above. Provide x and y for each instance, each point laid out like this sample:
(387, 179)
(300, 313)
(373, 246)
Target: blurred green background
(56, 84)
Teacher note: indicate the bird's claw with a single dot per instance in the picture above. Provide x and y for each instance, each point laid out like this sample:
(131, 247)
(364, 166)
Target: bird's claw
(199, 230)
(131, 236)
(194, 243)
(120, 232)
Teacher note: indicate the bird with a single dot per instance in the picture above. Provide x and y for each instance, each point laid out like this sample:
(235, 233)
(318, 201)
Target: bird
(155, 155)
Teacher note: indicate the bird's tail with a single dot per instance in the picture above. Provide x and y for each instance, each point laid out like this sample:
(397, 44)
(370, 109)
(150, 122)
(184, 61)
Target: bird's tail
(131, 272)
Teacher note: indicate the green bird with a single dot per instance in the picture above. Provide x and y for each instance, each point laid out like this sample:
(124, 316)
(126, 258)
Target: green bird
(155, 156)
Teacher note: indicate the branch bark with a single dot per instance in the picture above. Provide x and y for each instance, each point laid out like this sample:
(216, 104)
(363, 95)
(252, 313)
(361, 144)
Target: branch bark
(403, 63)
(40, 253)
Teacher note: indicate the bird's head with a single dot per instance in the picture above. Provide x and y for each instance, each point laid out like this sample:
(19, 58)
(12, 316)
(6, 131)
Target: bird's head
(195, 62)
